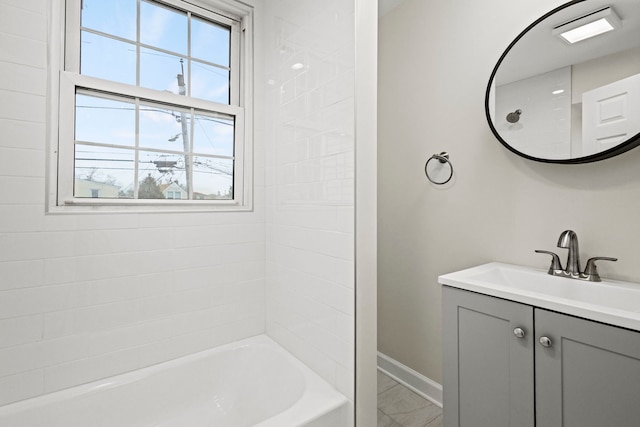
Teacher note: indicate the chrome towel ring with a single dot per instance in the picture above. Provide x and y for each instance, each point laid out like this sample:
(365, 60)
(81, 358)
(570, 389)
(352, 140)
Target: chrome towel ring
(436, 168)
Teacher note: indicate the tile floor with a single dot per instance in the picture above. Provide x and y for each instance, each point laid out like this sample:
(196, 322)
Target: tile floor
(400, 407)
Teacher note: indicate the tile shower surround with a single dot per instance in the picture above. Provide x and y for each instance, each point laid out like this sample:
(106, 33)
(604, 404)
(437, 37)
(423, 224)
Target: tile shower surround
(88, 296)
(310, 184)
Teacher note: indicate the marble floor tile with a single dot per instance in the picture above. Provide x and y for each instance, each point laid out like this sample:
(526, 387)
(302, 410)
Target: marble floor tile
(400, 407)
(386, 421)
(385, 382)
(436, 422)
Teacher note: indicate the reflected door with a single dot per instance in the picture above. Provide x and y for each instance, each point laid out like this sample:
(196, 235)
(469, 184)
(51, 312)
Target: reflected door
(610, 115)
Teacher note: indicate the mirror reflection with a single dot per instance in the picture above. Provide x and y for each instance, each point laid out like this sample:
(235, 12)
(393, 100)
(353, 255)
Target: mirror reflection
(568, 90)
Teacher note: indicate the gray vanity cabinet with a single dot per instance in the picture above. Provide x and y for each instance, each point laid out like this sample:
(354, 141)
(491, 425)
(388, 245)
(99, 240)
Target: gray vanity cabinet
(488, 371)
(587, 375)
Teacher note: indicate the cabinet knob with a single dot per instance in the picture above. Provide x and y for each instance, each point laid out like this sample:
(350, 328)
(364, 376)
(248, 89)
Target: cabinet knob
(545, 342)
(518, 332)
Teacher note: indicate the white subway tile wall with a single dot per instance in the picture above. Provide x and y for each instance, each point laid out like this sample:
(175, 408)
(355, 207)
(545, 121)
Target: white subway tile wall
(88, 296)
(310, 184)
(84, 297)
(546, 114)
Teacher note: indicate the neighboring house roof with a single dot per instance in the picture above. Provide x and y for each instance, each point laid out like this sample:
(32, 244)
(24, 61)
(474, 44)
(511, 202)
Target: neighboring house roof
(172, 186)
(85, 188)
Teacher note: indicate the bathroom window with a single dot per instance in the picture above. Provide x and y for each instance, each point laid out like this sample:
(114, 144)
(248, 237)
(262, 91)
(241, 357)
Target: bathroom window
(154, 105)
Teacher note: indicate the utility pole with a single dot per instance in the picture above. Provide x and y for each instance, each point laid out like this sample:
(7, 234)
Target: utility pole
(182, 90)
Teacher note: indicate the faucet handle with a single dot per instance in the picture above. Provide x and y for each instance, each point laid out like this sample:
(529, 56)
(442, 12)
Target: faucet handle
(591, 270)
(555, 261)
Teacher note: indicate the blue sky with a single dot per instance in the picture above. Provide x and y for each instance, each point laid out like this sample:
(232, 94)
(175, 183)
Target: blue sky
(113, 57)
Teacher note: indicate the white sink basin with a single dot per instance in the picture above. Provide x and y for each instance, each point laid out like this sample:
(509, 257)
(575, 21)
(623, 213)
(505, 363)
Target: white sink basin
(613, 302)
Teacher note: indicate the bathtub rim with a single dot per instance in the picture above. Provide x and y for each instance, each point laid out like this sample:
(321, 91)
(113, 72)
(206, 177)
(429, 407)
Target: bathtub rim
(304, 410)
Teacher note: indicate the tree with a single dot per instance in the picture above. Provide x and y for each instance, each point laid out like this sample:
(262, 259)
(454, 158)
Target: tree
(219, 196)
(149, 189)
(91, 174)
(95, 175)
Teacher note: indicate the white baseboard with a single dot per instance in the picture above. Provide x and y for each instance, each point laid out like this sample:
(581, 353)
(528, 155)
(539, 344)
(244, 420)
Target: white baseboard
(415, 381)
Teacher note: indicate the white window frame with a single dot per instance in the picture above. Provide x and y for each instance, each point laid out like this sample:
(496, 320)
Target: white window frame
(65, 79)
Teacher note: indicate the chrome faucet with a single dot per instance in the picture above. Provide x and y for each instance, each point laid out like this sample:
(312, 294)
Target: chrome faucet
(569, 240)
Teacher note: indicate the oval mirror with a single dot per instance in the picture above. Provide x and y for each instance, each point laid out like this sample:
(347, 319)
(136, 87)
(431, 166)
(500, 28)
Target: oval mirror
(567, 89)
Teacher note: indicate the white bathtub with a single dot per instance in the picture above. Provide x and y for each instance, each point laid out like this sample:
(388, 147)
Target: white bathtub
(253, 382)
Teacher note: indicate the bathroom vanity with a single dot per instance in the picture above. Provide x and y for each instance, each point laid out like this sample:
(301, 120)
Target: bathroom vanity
(523, 348)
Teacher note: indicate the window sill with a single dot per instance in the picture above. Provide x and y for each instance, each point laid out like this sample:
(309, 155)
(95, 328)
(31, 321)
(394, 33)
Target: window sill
(116, 206)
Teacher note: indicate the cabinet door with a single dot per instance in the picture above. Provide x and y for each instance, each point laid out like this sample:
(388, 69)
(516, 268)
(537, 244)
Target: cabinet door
(488, 370)
(589, 376)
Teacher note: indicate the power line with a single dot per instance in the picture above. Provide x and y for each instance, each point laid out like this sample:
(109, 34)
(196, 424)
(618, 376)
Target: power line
(157, 110)
(222, 168)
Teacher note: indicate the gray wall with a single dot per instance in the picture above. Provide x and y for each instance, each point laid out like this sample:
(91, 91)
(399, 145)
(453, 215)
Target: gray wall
(435, 58)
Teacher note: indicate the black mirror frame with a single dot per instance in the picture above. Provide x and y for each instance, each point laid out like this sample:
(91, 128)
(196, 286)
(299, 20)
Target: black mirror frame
(619, 149)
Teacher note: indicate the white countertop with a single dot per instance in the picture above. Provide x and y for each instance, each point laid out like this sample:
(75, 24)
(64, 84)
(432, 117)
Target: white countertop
(613, 302)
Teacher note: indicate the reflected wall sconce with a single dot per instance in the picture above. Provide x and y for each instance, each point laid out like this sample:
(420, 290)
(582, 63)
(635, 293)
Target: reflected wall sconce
(586, 26)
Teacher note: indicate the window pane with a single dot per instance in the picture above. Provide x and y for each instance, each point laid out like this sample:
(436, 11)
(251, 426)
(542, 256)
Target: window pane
(161, 173)
(103, 172)
(162, 128)
(213, 135)
(212, 178)
(163, 27)
(117, 17)
(147, 148)
(210, 83)
(107, 58)
(104, 120)
(159, 70)
(210, 42)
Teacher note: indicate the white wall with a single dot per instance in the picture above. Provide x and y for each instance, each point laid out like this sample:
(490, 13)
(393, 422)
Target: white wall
(366, 96)
(435, 61)
(310, 184)
(88, 296)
